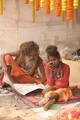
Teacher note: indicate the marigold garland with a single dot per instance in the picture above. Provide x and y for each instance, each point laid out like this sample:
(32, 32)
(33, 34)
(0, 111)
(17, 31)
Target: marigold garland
(52, 5)
(58, 7)
(64, 8)
(64, 5)
(31, 1)
(75, 4)
(42, 3)
(37, 5)
(47, 5)
(26, 1)
(33, 10)
(1, 7)
(69, 9)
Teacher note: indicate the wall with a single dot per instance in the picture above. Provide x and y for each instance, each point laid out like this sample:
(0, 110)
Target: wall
(16, 26)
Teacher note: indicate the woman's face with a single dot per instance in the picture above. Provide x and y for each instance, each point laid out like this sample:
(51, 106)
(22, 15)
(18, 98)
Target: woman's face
(53, 61)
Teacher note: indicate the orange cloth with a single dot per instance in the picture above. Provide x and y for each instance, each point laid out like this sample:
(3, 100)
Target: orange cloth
(17, 72)
(64, 94)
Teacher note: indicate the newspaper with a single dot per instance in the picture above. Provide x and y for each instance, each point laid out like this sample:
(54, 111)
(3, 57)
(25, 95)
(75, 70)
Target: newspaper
(27, 88)
(23, 88)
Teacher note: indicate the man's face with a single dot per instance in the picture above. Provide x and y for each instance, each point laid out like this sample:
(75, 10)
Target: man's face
(33, 55)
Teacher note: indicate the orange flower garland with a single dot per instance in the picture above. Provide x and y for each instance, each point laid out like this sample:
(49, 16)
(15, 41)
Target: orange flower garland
(31, 1)
(37, 5)
(47, 5)
(64, 8)
(26, 1)
(69, 9)
(58, 7)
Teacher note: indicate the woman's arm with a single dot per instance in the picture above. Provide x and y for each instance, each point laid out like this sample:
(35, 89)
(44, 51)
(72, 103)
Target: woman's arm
(49, 75)
(42, 70)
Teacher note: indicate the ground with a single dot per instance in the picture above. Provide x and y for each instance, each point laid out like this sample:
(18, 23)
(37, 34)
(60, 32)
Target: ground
(15, 113)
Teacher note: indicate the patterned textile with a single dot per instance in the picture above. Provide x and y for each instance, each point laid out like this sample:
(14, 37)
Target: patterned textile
(69, 114)
(32, 99)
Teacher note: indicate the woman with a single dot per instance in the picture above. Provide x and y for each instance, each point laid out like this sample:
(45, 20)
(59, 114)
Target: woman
(57, 72)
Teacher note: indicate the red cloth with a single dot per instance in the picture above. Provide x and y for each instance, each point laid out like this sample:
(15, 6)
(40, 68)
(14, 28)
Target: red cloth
(63, 81)
(1, 78)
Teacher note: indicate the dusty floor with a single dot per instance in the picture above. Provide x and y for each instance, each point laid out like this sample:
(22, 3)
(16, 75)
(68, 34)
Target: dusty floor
(14, 113)
(18, 113)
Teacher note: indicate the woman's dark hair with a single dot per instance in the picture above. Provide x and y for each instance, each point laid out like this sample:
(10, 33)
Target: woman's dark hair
(27, 47)
(51, 50)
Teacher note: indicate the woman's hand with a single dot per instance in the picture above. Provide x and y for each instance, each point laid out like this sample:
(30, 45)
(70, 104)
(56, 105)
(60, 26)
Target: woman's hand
(51, 65)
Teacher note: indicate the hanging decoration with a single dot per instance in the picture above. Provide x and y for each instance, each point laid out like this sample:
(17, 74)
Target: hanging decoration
(47, 5)
(58, 7)
(69, 10)
(1, 7)
(62, 8)
(52, 5)
(42, 3)
(31, 1)
(75, 4)
(26, 1)
(33, 10)
(64, 5)
(37, 5)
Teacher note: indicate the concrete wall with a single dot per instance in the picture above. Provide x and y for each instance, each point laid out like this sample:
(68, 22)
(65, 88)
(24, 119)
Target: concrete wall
(16, 26)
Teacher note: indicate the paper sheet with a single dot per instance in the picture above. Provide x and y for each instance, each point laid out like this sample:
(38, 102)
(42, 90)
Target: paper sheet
(27, 88)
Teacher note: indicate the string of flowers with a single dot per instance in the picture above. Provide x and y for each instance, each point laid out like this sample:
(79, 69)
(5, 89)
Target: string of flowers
(26, 1)
(58, 7)
(47, 6)
(1, 7)
(64, 8)
(75, 4)
(69, 10)
(42, 3)
(52, 5)
(37, 5)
